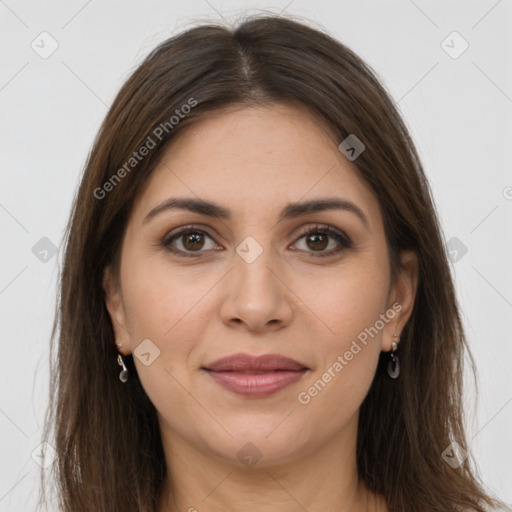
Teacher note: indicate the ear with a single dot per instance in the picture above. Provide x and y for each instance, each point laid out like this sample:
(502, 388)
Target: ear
(401, 298)
(115, 307)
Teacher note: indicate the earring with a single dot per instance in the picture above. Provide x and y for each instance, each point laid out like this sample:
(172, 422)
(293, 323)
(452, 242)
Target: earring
(123, 376)
(119, 345)
(394, 363)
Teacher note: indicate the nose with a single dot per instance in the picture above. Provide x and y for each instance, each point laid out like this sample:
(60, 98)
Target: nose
(257, 297)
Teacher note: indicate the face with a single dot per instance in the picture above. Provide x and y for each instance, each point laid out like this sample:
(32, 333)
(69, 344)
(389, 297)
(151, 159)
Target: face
(263, 278)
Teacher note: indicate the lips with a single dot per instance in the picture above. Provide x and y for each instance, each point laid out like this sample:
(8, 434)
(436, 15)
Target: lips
(255, 376)
(254, 364)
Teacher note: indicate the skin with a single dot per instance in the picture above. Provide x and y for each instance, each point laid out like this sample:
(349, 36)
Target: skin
(290, 301)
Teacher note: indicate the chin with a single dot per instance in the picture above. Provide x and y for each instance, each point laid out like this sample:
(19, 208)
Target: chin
(261, 442)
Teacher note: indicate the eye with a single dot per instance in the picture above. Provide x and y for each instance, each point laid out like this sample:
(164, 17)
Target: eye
(191, 240)
(317, 239)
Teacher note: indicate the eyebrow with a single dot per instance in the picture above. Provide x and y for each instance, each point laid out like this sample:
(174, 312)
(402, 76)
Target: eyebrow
(290, 211)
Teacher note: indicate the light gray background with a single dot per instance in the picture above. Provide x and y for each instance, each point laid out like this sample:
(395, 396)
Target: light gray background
(459, 111)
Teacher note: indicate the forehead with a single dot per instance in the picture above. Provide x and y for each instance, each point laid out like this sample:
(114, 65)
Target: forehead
(254, 160)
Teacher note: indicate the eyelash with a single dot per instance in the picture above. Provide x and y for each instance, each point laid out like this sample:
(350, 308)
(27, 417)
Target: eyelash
(344, 241)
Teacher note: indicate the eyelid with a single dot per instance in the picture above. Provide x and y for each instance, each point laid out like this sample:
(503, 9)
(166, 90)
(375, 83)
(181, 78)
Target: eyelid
(181, 231)
(344, 241)
(324, 228)
(339, 235)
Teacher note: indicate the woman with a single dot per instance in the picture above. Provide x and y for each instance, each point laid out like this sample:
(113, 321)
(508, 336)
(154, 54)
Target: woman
(256, 308)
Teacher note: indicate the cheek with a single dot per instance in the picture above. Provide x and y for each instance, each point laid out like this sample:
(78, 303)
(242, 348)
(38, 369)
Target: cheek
(346, 302)
(338, 387)
(163, 304)
(160, 297)
(349, 315)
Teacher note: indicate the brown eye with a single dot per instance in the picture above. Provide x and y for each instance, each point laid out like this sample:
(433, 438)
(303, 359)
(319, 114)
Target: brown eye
(317, 241)
(193, 241)
(319, 238)
(188, 241)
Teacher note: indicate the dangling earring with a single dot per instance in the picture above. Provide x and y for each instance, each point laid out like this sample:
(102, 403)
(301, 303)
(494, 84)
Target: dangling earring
(123, 376)
(394, 363)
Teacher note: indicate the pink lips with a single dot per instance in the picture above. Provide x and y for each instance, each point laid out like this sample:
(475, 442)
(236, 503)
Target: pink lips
(255, 375)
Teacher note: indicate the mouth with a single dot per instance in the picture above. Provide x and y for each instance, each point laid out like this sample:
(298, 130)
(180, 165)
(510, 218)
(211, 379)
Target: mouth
(255, 376)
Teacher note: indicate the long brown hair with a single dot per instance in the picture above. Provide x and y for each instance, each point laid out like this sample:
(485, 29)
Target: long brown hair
(106, 434)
